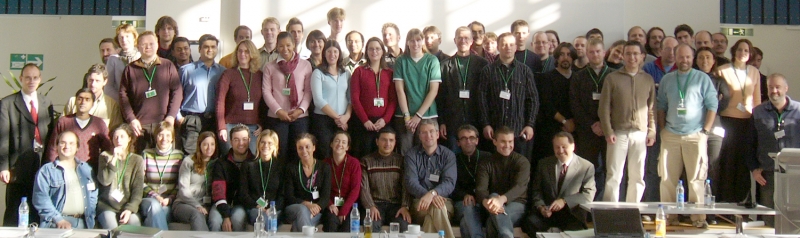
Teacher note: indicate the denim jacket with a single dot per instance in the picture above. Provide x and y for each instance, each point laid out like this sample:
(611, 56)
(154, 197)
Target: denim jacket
(50, 191)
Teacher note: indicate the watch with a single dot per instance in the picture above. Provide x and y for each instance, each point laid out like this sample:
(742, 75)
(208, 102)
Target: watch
(704, 131)
(434, 192)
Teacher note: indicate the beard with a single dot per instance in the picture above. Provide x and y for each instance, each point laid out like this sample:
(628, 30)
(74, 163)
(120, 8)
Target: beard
(565, 64)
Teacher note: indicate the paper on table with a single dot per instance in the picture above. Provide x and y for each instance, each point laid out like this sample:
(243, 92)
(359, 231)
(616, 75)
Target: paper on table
(581, 233)
(13, 232)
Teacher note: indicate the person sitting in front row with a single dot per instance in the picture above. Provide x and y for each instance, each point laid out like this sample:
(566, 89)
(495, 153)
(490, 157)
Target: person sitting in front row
(382, 189)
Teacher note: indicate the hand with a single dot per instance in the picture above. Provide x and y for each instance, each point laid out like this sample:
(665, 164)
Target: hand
(493, 205)
(375, 214)
(469, 200)
(118, 152)
(333, 209)
(557, 205)
(181, 120)
(611, 139)
(439, 202)
(165, 202)
(651, 141)
(380, 124)
(223, 135)
(283, 115)
(226, 225)
(425, 202)
(488, 132)
(257, 132)
(527, 133)
(314, 208)
(412, 124)
(597, 129)
(341, 219)
(63, 224)
(759, 177)
(170, 120)
(124, 217)
(296, 114)
(569, 126)
(369, 126)
(443, 131)
(137, 127)
(545, 212)
(404, 212)
(5, 176)
(202, 209)
(343, 119)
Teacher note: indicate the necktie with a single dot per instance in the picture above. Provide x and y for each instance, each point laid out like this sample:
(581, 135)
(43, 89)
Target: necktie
(562, 176)
(35, 116)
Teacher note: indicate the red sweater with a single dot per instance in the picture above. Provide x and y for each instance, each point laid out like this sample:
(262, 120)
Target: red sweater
(363, 91)
(93, 139)
(232, 94)
(132, 88)
(350, 179)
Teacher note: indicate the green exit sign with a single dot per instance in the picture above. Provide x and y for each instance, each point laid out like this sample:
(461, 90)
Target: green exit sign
(737, 31)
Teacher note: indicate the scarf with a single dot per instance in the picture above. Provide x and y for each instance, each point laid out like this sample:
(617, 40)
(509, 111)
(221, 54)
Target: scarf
(287, 68)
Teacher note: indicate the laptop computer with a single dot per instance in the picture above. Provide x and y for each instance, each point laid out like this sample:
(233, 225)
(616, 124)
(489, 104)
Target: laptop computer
(617, 223)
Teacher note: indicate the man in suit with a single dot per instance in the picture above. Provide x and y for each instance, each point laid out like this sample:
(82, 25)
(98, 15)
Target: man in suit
(561, 183)
(25, 124)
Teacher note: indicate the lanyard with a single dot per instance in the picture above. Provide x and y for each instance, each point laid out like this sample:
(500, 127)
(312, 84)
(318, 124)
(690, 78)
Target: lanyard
(121, 175)
(208, 170)
(525, 58)
(597, 81)
(246, 84)
(546, 63)
(463, 74)
(739, 81)
(149, 77)
(682, 92)
(300, 176)
(287, 77)
(505, 77)
(478, 159)
(378, 83)
(161, 171)
(269, 172)
(341, 179)
(780, 118)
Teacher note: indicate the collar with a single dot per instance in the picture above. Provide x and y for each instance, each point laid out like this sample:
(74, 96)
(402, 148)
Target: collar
(790, 106)
(661, 65)
(264, 49)
(360, 61)
(280, 57)
(568, 163)
(28, 98)
(393, 55)
(139, 62)
(248, 157)
(201, 64)
(78, 162)
(438, 150)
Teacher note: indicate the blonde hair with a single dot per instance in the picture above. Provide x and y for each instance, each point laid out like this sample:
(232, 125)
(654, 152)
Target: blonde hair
(271, 20)
(518, 23)
(390, 25)
(432, 30)
(336, 13)
(126, 28)
(254, 55)
(413, 34)
(490, 36)
(146, 33)
(272, 135)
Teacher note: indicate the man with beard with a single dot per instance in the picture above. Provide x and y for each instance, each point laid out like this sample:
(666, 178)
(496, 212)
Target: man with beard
(554, 113)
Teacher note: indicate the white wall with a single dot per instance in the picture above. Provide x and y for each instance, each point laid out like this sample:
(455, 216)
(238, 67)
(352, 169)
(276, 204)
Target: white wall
(780, 55)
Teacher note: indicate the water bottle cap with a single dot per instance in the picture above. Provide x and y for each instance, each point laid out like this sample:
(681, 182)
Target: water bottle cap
(660, 205)
(708, 180)
(24, 199)
(441, 232)
(355, 205)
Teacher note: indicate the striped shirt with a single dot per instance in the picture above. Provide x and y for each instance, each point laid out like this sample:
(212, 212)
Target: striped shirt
(382, 180)
(154, 165)
(520, 109)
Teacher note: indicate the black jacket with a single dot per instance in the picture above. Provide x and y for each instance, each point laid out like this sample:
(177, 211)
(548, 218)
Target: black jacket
(225, 183)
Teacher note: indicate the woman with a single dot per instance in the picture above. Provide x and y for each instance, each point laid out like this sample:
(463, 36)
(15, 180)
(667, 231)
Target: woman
(373, 98)
(330, 88)
(121, 177)
(126, 39)
(194, 193)
(162, 165)
(346, 188)
(309, 187)
(287, 92)
(745, 87)
(238, 94)
(614, 55)
(315, 42)
(416, 78)
(261, 179)
(705, 61)
(654, 37)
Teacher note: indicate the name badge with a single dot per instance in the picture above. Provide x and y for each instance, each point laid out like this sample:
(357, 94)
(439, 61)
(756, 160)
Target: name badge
(378, 102)
(117, 195)
(780, 134)
(248, 106)
(287, 91)
(315, 194)
(718, 131)
(741, 107)
(595, 96)
(150, 93)
(162, 189)
(681, 111)
(338, 201)
(505, 94)
(90, 186)
(463, 94)
(261, 202)
(434, 178)
(206, 199)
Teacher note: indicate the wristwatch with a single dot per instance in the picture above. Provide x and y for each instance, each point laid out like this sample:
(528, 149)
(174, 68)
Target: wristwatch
(564, 121)
(704, 131)
(434, 192)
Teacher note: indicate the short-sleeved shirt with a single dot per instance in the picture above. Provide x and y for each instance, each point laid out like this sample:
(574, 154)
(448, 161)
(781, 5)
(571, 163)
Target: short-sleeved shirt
(417, 77)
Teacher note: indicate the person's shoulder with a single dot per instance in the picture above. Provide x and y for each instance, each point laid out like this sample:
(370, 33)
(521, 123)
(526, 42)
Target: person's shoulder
(11, 98)
(582, 161)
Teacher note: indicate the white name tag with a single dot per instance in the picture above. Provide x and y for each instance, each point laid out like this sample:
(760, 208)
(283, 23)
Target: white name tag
(434, 178)
(338, 201)
(378, 102)
(681, 111)
(505, 94)
(595, 96)
(90, 186)
(287, 91)
(718, 131)
(463, 94)
(780, 134)
(741, 107)
(315, 194)
(117, 195)
(248, 106)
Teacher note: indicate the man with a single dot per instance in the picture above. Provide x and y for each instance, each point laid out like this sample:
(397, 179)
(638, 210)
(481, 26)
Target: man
(391, 38)
(521, 32)
(228, 214)
(502, 185)
(508, 96)
(777, 127)
(355, 44)
(199, 80)
(295, 28)
(150, 92)
(580, 48)
(180, 52)
(720, 42)
(664, 63)
(594, 33)
(166, 30)
(459, 87)
(107, 48)
(104, 106)
(561, 184)
(554, 112)
(702, 39)
(478, 33)
(638, 34)
(430, 177)
(65, 193)
(490, 47)
(687, 107)
(91, 131)
(433, 38)
(544, 62)
(336, 18)
(684, 34)
(382, 190)
(629, 126)
(584, 95)
(468, 209)
(241, 33)
(755, 60)
(25, 124)
(270, 28)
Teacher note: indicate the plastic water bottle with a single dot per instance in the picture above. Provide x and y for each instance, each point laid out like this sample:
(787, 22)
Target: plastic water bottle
(441, 233)
(24, 210)
(708, 194)
(367, 224)
(680, 201)
(258, 226)
(661, 222)
(272, 217)
(355, 221)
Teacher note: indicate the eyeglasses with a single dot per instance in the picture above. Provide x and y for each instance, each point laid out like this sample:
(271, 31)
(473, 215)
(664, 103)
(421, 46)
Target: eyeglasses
(471, 138)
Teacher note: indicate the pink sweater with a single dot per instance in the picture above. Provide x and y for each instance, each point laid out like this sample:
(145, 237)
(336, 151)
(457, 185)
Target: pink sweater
(274, 82)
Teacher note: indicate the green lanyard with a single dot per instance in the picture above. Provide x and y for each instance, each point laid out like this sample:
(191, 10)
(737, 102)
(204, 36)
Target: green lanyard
(739, 81)
(378, 83)
(208, 169)
(780, 119)
(161, 171)
(464, 73)
(682, 92)
(269, 172)
(597, 81)
(546, 63)
(300, 176)
(505, 77)
(246, 84)
(478, 159)
(525, 58)
(341, 179)
(149, 77)
(121, 175)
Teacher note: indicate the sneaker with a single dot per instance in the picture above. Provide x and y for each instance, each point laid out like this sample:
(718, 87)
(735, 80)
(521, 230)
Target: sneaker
(646, 218)
(700, 224)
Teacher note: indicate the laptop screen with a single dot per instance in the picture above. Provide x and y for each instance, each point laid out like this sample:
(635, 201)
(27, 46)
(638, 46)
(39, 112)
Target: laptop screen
(617, 222)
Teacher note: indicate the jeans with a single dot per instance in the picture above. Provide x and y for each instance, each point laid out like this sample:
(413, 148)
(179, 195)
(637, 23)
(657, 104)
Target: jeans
(502, 225)
(185, 213)
(108, 219)
(299, 216)
(288, 132)
(154, 214)
(77, 223)
(470, 217)
(252, 214)
(237, 218)
(388, 212)
(227, 145)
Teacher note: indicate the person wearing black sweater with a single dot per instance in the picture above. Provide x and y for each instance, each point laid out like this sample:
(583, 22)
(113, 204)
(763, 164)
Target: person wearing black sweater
(227, 213)
(261, 178)
(307, 193)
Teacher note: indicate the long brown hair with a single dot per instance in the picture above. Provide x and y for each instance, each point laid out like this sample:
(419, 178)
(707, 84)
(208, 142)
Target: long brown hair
(383, 52)
(199, 164)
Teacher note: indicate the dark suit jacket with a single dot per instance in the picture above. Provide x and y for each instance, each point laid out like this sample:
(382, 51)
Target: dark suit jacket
(17, 135)
(578, 186)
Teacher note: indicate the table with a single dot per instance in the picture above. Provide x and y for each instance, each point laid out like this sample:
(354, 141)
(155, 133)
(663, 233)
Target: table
(92, 233)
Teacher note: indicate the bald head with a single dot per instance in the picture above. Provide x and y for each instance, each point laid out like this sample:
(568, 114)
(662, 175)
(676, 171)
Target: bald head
(541, 44)
(703, 39)
(777, 86)
(668, 50)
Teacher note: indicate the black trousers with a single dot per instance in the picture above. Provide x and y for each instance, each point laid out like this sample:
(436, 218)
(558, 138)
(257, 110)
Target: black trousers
(593, 148)
(331, 222)
(737, 146)
(23, 174)
(363, 140)
(323, 127)
(192, 126)
(564, 220)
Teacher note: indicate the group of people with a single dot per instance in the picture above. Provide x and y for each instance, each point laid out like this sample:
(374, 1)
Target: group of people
(483, 137)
